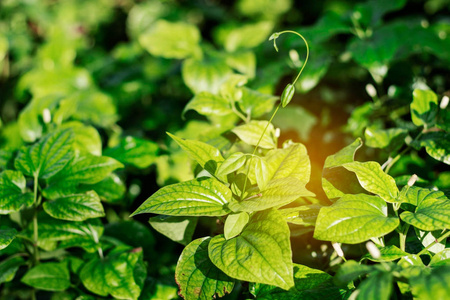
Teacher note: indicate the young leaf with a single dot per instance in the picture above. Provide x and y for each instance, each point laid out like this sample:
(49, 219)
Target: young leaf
(6, 237)
(354, 219)
(198, 197)
(309, 284)
(337, 181)
(373, 179)
(48, 156)
(430, 215)
(9, 267)
(77, 207)
(261, 253)
(256, 104)
(48, 276)
(388, 253)
(178, 229)
(171, 40)
(197, 276)
(117, 275)
(415, 195)
(86, 138)
(13, 193)
(250, 133)
(424, 107)
(278, 192)
(204, 154)
(204, 75)
(234, 162)
(134, 151)
(234, 224)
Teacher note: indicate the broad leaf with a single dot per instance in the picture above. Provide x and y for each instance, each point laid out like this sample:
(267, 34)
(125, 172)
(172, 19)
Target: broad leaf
(373, 179)
(134, 151)
(441, 259)
(337, 181)
(245, 36)
(119, 275)
(388, 253)
(13, 194)
(424, 107)
(350, 271)
(171, 40)
(204, 154)
(256, 104)
(378, 286)
(432, 286)
(6, 237)
(391, 139)
(197, 276)
(278, 192)
(84, 169)
(9, 267)
(111, 189)
(48, 276)
(234, 162)
(198, 197)
(415, 195)
(234, 224)
(354, 219)
(208, 104)
(309, 284)
(251, 132)
(205, 75)
(86, 138)
(77, 207)
(178, 229)
(430, 215)
(261, 253)
(243, 61)
(437, 145)
(305, 215)
(48, 156)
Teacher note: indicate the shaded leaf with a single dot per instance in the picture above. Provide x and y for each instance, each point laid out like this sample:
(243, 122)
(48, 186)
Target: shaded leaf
(430, 215)
(197, 276)
(378, 286)
(261, 253)
(6, 237)
(305, 215)
(433, 285)
(13, 194)
(178, 229)
(388, 253)
(424, 107)
(9, 267)
(256, 104)
(391, 139)
(208, 104)
(134, 151)
(48, 276)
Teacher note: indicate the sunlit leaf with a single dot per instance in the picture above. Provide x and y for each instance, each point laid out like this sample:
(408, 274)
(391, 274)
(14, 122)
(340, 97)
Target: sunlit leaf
(13, 193)
(198, 197)
(251, 132)
(305, 215)
(77, 207)
(244, 62)
(197, 276)
(234, 162)
(48, 276)
(432, 285)
(208, 104)
(234, 224)
(391, 139)
(354, 219)
(256, 104)
(6, 237)
(134, 151)
(440, 259)
(424, 107)
(245, 36)
(378, 286)
(430, 215)
(261, 253)
(204, 75)
(388, 253)
(86, 138)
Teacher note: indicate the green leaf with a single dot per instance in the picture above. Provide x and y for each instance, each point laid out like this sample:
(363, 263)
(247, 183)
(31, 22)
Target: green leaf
(305, 215)
(424, 107)
(354, 219)
(208, 104)
(287, 119)
(117, 275)
(171, 40)
(430, 215)
(178, 229)
(86, 138)
(378, 286)
(77, 207)
(197, 276)
(388, 253)
(391, 139)
(337, 181)
(244, 62)
(437, 145)
(204, 75)
(349, 271)
(142, 235)
(9, 267)
(111, 189)
(261, 253)
(415, 195)
(6, 237)
(84, 169)
(13, 193)
(198, 197)
(441, 259)
(278, 192)
(48, 276)
(234, 224)
(251, 132)
(234, 162)
(48, 156)
(317, 68)
(204, 154)
(373, 179)
(137, 152)
(433, 285)
(246, 36)
(256, 104)
(309, 284)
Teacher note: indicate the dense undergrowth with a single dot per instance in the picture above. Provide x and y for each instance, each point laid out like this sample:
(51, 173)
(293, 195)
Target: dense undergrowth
(145, 152)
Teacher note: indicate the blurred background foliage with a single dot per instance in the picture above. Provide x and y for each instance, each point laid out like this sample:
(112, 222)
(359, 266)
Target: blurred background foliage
(123, 72)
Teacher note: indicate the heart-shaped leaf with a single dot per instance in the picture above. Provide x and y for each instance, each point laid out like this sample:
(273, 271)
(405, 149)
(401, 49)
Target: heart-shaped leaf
(430, 215)
(48, 276)
(77, 207)
(261, 253)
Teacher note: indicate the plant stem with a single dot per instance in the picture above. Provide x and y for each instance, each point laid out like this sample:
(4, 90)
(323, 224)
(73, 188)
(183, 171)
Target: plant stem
(402, 235)
(35, 223)
(391, 161)
(438, 240)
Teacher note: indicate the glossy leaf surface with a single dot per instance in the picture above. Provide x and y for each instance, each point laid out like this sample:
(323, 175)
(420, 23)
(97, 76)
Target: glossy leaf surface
(77, 207)
(13, 194)
(251, 132)
(48, 276)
